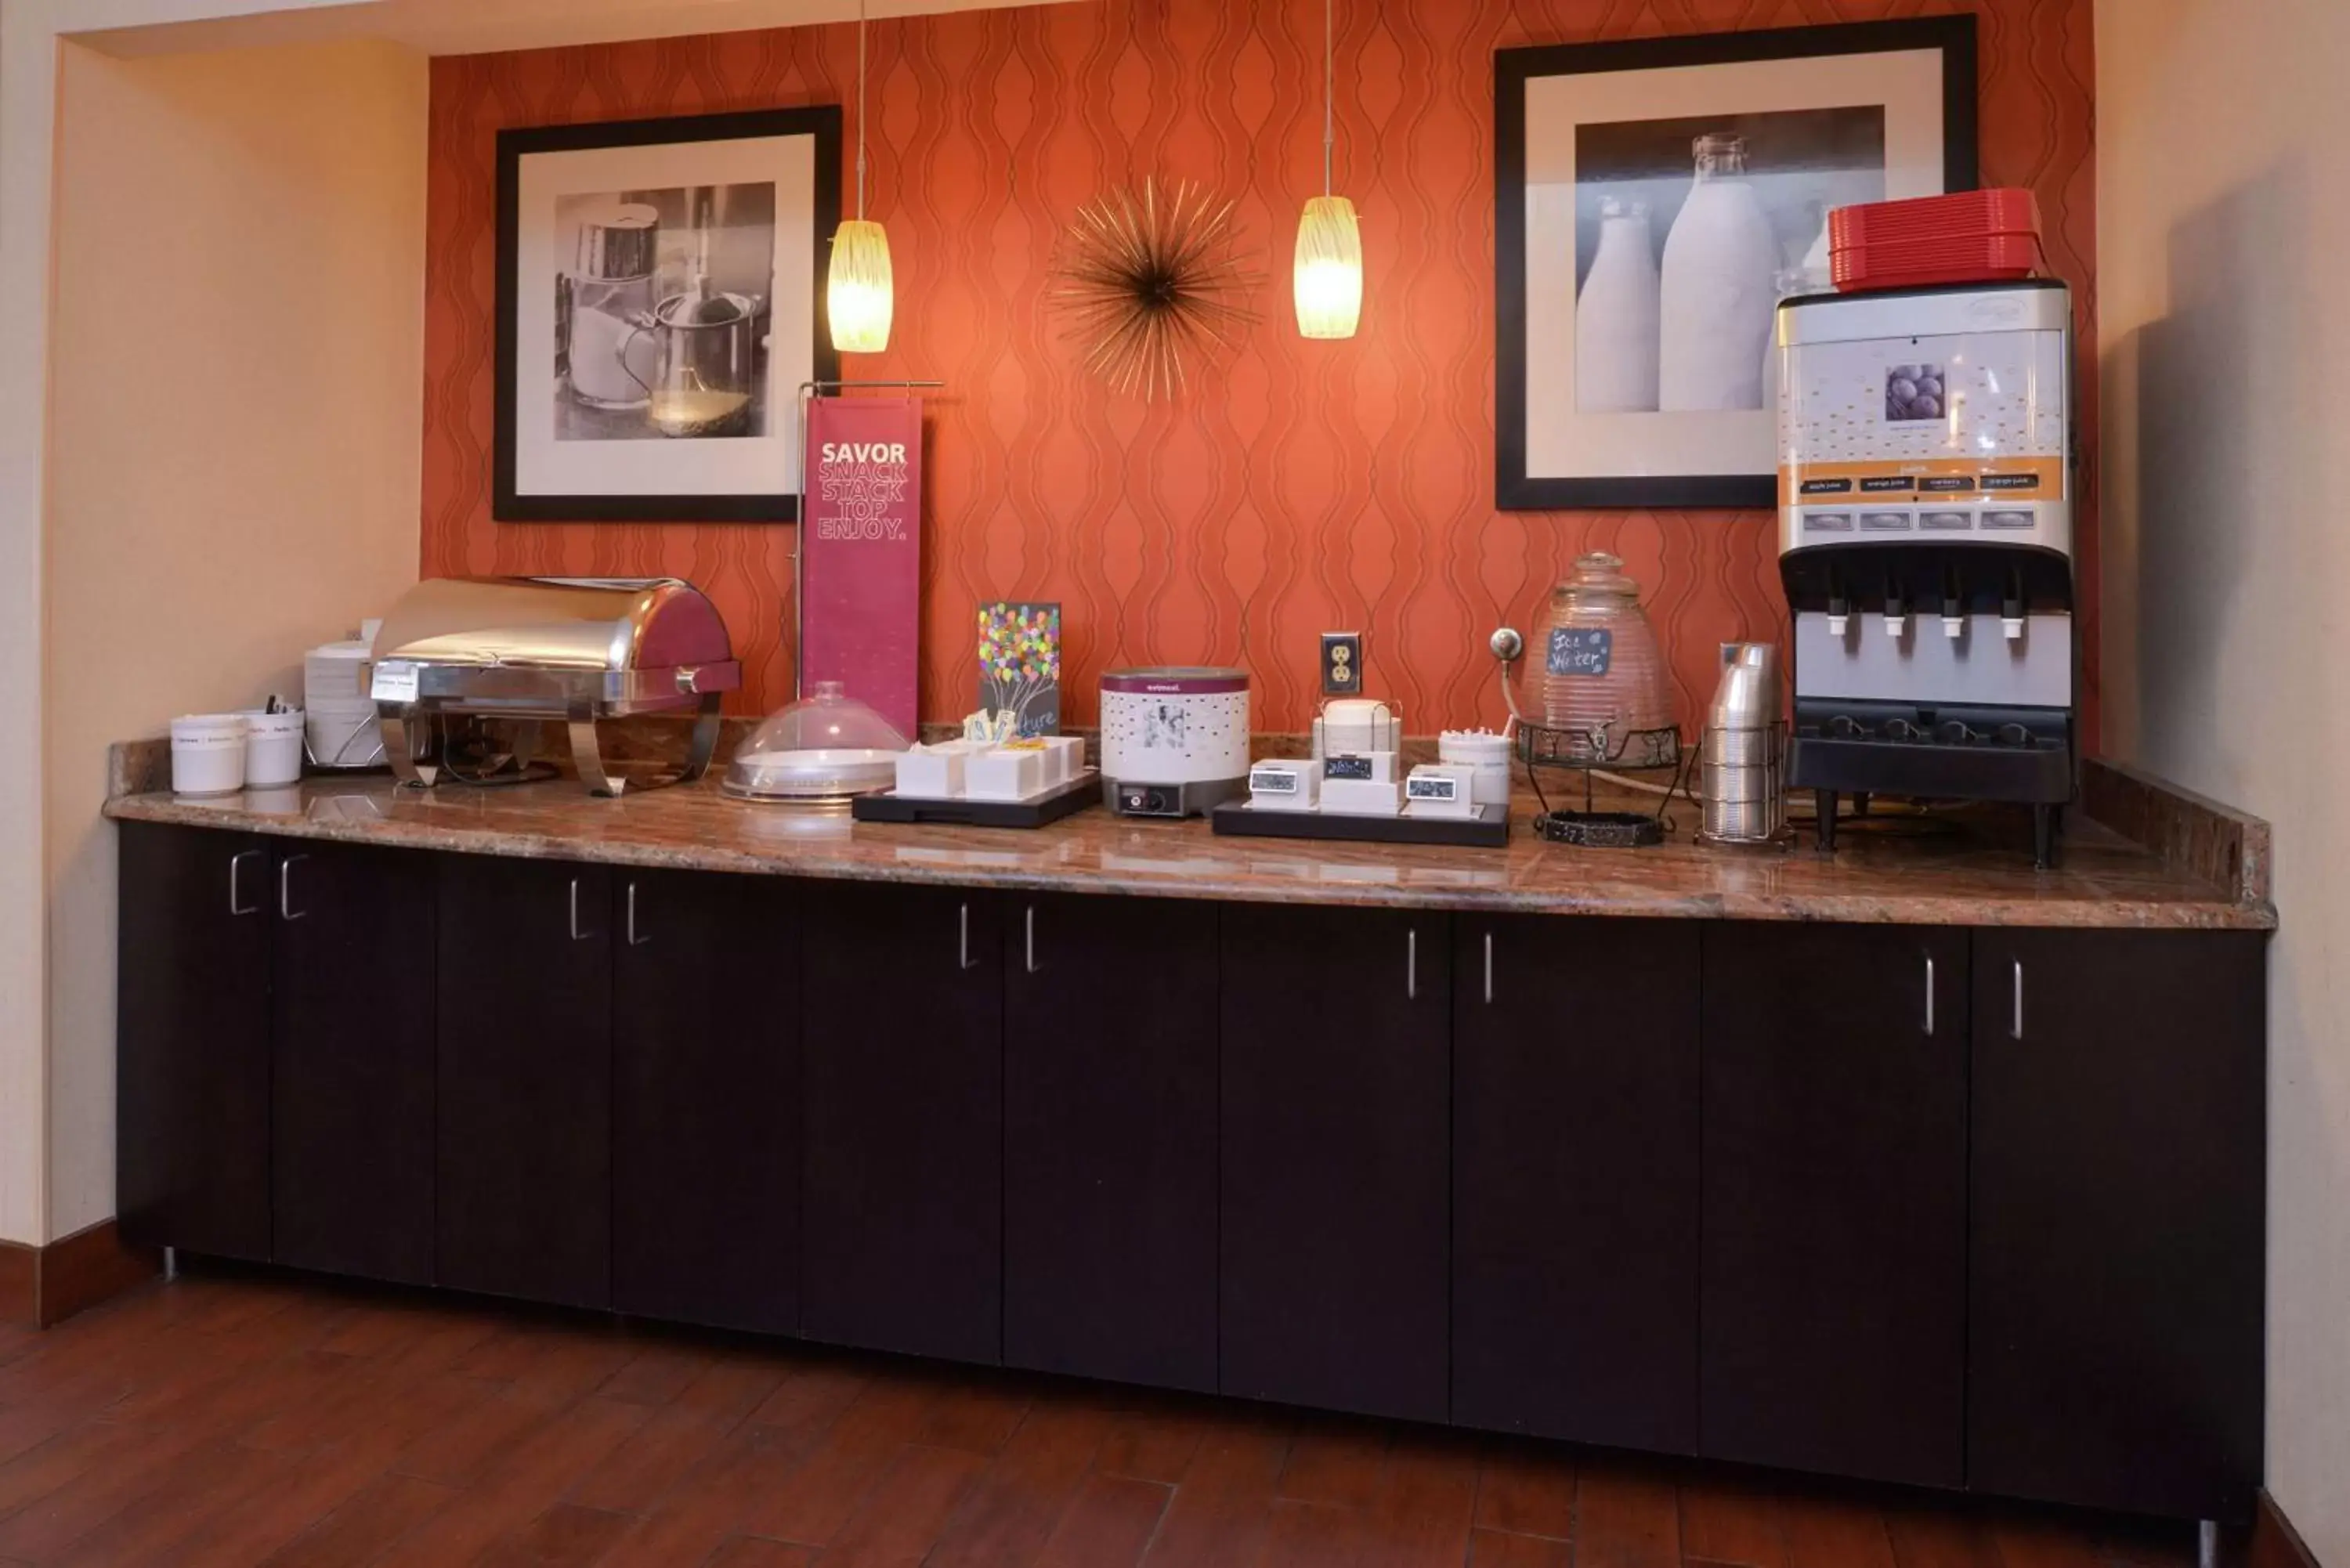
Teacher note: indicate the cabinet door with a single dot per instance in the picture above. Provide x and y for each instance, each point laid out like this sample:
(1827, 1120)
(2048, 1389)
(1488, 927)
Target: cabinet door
(1109, 1139)
(706, 1099)
(192, 1022)
(525, 1133)
(904, 1049)
(1335, 1165)
(2119, 1170)
(1835, 1281)
(351, 1047)
(1575, 1179)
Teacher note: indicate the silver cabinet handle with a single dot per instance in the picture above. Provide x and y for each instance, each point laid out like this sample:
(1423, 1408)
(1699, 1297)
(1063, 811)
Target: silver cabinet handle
(577, 934)
(1489, 969)
(634, 940)
(2015, 1025)
(237, 906)
(286, 888)
(962, 924)
(1411, 964)
(1930, 994)
(1032, 939)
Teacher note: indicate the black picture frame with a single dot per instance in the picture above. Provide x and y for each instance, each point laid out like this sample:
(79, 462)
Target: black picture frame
(1514, 489)
(821, 121)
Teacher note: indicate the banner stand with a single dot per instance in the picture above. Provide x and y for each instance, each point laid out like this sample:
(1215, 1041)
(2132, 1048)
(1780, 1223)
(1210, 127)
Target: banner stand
(810, 393)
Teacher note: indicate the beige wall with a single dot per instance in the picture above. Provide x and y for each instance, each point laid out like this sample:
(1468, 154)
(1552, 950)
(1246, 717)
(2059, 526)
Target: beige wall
(233, 465)
(2223, 276)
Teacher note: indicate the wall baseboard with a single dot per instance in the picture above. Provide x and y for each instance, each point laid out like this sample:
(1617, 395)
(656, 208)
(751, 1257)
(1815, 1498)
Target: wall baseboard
(2275, 1543)
(44, 1285)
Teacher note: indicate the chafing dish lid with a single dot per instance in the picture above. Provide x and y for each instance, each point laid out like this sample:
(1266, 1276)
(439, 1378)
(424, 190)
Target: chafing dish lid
(556, 623)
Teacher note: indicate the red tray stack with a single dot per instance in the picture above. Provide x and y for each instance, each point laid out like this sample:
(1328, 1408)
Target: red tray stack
(1973, 236)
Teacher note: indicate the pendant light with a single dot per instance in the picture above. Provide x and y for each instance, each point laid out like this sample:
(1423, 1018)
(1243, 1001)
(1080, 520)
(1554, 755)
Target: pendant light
(858, 295)
(1329, 279)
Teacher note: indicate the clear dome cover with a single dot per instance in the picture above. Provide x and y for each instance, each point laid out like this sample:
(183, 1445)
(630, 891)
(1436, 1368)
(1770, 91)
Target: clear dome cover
(828, 746)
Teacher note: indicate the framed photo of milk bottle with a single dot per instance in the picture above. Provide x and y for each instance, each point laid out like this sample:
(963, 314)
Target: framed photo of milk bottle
(659, 305)
(1655, 200)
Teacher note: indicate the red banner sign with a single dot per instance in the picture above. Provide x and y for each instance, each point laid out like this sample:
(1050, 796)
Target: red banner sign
(861, 551)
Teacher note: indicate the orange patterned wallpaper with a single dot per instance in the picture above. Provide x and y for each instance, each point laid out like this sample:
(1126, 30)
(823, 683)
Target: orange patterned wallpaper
(1299, 487)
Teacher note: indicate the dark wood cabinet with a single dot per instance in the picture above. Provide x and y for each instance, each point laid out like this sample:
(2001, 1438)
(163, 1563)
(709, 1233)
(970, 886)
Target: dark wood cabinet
(351, 1172)
(903, 1043)
(1336, 1124)
(1960, 1209)
(1109, 1139)
(525, 1094)
(706, 1099)
(1834, 1208)
(192, 1031)
(2118, 1188)
(1575, 1178)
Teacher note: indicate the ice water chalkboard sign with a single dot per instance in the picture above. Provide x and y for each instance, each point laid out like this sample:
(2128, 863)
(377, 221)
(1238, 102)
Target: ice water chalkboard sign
(1580, 650)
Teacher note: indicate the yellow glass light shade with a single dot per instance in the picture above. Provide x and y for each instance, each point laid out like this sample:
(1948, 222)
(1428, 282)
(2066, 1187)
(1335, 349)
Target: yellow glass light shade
(858, 295)
(1329, 283)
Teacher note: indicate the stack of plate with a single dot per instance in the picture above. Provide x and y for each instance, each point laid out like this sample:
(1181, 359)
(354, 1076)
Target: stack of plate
(342, 730)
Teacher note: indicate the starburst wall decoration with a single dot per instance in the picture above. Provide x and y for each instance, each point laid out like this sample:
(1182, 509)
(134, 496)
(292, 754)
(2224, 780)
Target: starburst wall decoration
(1150, 278)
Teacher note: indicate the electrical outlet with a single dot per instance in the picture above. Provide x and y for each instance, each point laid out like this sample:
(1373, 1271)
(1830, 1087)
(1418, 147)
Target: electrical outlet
(1342, 663)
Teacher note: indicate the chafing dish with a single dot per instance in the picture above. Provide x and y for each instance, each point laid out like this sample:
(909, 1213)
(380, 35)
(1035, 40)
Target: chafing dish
(574, 649)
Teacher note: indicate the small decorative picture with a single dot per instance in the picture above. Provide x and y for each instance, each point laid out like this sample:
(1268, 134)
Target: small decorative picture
(1656, 198)
(1020, 664)
(658, 311)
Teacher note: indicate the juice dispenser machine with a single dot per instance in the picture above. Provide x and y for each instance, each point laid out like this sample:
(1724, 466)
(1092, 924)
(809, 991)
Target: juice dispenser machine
(1925, 545)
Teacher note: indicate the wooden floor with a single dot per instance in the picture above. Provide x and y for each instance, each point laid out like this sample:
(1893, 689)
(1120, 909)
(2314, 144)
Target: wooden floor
(232, 1419)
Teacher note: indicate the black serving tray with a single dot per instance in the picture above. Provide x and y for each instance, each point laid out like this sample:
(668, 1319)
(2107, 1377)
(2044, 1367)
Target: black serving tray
(1034, 811)
(1488, 829)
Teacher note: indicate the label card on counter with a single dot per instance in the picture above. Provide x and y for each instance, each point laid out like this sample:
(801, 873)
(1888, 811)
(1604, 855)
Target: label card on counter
(1580, 650)
(1346, 768)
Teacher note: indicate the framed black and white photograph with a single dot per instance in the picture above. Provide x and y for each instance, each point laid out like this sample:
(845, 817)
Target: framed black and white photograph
(660, 303)
(1655, 200)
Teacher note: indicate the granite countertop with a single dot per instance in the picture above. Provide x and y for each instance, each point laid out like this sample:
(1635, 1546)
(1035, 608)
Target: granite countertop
(1958, 869)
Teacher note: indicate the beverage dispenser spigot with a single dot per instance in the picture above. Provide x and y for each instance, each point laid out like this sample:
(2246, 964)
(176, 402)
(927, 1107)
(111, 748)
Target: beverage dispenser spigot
(1954, 607)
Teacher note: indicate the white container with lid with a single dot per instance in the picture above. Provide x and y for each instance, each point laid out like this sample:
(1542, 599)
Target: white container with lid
(273, 748)
(1487, 753)
(1355, 724)
(208, 754)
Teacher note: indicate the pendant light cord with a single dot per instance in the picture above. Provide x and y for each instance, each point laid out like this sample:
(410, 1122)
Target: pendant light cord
(1329, 78)
(860, 112)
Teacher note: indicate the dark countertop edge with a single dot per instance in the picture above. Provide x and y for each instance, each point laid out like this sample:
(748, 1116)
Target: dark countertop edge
(809, 860)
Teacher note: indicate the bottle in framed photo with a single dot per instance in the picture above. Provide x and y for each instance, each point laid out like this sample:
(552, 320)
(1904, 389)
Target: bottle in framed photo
(1717, 288)
(1615, 317)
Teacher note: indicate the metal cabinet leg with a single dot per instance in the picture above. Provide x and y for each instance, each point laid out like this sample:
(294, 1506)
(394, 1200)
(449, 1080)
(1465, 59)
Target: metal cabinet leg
(2207, 1543)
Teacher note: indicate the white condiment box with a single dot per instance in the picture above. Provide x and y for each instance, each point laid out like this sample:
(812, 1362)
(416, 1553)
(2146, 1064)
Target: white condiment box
(1004, 772)
(933, 773)
(1440, 790)
(1362, 797)
(1284, 785)
(1065, 757)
